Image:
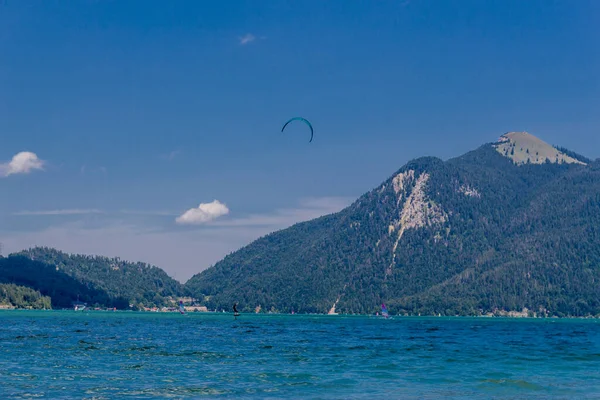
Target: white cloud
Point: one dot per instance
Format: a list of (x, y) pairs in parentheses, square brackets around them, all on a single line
[(22, 163), (247, 38), (204, 213), (60, 212)]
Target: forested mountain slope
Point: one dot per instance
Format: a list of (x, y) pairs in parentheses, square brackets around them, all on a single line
[(119, 281), (497, 228)]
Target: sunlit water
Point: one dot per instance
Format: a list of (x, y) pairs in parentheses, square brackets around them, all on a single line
[(106, 355)]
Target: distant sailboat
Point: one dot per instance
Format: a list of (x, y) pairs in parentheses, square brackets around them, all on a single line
[(78, 305), (181, 307), (384, 311)]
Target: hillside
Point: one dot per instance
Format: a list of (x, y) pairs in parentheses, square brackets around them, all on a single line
[(492, 229), (13, 296), (46, 279), (108, 282)]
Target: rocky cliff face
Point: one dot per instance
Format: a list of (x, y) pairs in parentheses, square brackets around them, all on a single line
[(415, 209)]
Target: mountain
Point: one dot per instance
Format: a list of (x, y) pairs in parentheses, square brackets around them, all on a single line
[(102, 281), (509, 226)]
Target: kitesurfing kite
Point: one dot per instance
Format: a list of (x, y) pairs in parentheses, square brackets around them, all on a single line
[(303, 120)]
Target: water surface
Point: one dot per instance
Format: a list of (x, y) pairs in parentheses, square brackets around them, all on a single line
[(126, 355)]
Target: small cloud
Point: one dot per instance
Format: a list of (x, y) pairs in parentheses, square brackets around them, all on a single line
[(84, 170), (156, 213), (22, 163), (247, 38), (326, 204), (170, 156), (60, 212), (204, 213)]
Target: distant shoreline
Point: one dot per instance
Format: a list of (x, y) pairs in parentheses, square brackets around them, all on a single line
[(502, 317)]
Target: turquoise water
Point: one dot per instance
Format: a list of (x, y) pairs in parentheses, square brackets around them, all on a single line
[(122, 355)]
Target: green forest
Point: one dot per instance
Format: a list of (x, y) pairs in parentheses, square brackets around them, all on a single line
[(97, 281), (529, 239), (23, 297)]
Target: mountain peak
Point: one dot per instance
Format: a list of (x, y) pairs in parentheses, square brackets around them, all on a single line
[(523, 148)]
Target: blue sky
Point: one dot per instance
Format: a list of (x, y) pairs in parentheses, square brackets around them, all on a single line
[(141, 110)]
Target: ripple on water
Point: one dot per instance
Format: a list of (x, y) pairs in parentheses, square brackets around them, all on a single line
[(513, 383)]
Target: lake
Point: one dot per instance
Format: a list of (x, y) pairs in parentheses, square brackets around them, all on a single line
[(122, 355)]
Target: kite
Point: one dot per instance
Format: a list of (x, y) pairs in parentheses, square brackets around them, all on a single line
[(303, 120)]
